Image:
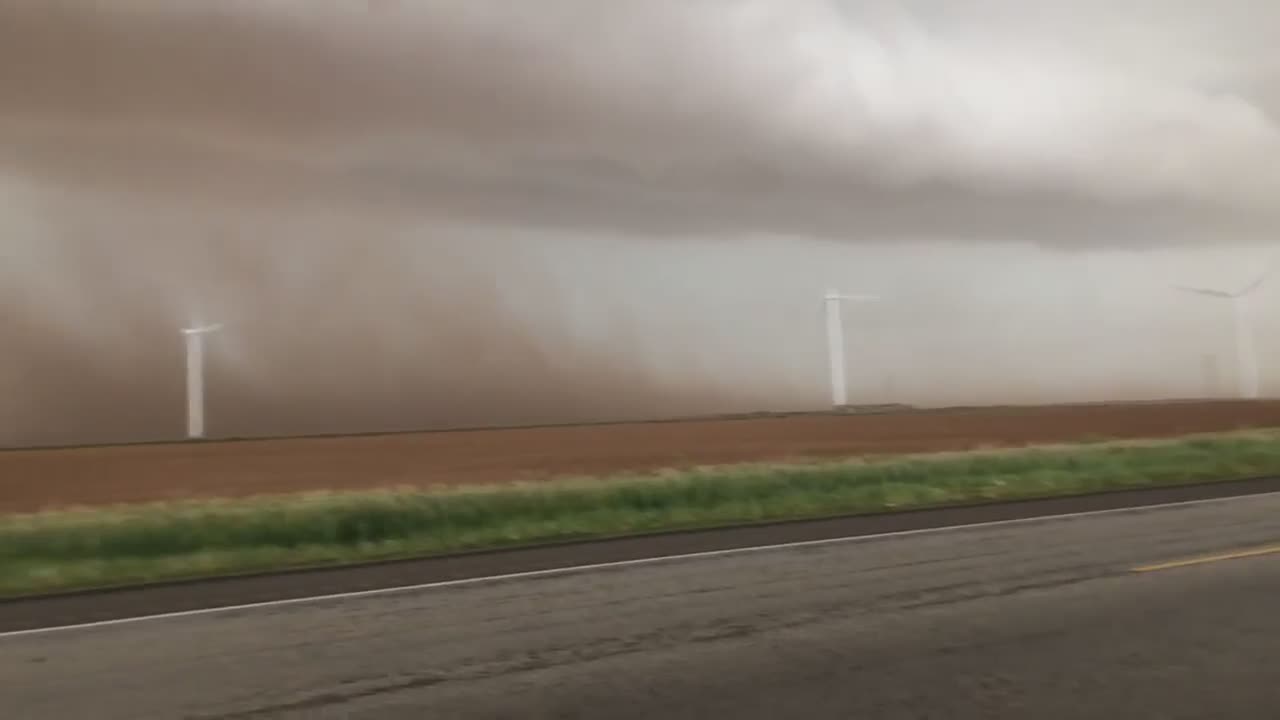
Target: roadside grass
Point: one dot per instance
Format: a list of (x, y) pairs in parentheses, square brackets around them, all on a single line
[(78, 549)]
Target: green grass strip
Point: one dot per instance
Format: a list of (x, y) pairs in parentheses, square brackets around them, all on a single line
[(119, 546)]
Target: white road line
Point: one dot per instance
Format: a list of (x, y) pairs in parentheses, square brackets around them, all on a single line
[(555, 572)]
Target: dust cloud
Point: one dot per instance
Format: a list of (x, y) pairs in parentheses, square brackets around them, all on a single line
[(450, 213), (323, 334)]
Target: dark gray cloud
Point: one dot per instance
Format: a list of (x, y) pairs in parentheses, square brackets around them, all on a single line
[(1147, 123)]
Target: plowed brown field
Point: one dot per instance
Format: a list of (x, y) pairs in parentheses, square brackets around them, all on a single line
[(46, 478)]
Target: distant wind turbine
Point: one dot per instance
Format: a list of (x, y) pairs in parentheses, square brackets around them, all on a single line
[(835, 343), (1246, 345), (195, 378)]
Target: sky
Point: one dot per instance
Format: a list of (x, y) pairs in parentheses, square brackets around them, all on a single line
[(437, 213)]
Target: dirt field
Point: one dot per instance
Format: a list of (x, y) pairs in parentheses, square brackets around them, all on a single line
[(39, 479)]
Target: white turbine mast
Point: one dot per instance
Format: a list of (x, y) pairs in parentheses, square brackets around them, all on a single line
[(195, 377), (835, 301), (1247, 373)]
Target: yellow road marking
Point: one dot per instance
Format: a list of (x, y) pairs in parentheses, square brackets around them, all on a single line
[(1203, 559)]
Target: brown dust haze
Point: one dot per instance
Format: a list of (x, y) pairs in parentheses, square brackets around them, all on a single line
[(322, 336), (397, 208)]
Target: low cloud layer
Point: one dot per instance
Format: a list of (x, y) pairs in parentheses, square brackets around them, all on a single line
[(1143, 122)]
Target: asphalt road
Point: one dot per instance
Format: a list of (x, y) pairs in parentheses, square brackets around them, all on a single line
[(1041, 619)]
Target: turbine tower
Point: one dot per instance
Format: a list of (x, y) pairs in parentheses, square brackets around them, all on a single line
[(835, 343), (195, 378), (1246, 347)]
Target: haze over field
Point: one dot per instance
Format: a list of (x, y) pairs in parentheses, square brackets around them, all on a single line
[(457, 212)]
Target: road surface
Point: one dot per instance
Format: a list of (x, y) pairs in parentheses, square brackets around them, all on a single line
[(1080, 617)]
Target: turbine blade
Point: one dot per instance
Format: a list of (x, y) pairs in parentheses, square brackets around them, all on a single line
[(1204, 291), (853, 298), (1262, 278)]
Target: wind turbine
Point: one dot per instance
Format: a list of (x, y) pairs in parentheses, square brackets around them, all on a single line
[(835, 301), (1246, 346), (195, 377)]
